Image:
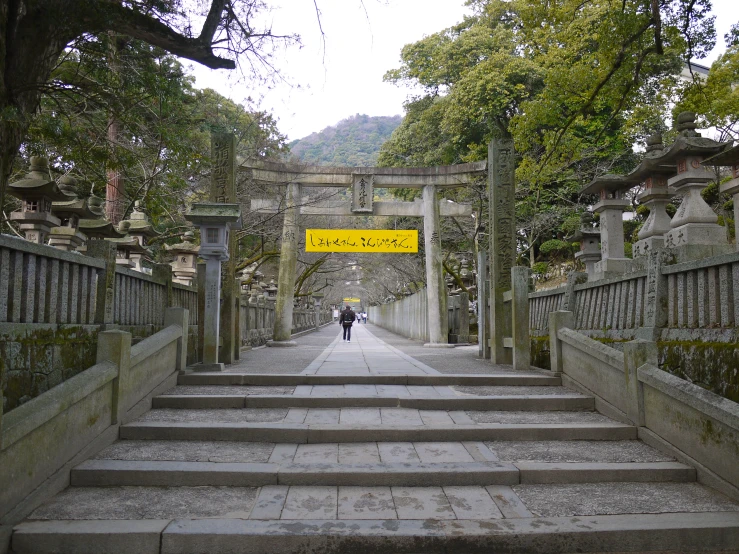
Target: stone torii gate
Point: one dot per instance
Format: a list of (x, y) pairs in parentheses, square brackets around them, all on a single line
[(363, 181)]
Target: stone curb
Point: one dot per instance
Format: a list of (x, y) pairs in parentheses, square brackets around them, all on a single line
[(135, 473), (287, 379), (635, 533), (108, 473), (299, 433), (569, 402)]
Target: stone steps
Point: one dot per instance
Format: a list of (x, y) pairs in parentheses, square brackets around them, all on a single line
[(250, 463), (106, 473)]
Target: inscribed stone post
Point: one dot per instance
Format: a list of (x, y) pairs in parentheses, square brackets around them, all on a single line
[(435, 288), (223, 191), (483, 312), (288, 264), (502, 228)]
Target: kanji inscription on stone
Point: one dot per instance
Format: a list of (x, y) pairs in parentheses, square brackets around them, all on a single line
[(222, 186), (362, 193)]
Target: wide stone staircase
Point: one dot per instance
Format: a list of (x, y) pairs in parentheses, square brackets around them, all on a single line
[(393, 463)]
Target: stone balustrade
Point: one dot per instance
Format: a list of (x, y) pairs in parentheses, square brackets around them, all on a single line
[(54, 303)]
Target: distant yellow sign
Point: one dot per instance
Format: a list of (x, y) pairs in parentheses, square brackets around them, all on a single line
[(361, 240), (352, 300)]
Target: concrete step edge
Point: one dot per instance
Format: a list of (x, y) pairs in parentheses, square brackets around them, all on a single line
[(257, 379), (193, 474), (173, 473), (632, 532), (299, 433), (501, 402)]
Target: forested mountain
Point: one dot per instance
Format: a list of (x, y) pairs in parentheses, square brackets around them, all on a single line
[(354, 141)]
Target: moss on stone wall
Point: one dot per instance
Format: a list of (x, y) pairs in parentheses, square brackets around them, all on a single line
[(711, 365), (540, 352), (36, 359)]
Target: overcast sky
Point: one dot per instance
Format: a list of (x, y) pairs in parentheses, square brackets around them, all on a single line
[(341, 75)]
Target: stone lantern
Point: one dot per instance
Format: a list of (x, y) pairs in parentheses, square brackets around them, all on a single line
[(730, 158), (128, 251), (589, 239), (70, 212), (317, 299), (98, 228), (271, 290), (215, 222), (611, 206), (653, 171), (693, 228), (138, 227), (37, 191), (184, 268)]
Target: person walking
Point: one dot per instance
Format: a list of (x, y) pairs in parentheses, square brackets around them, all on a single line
[(346, 319)]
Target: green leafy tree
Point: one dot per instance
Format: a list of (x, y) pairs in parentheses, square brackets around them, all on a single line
[(575, 84)]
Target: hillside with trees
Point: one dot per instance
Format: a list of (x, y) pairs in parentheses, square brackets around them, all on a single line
[(354, 141)]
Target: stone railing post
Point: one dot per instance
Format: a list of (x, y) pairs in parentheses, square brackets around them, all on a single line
[(237, 320), (181, 317), (464, 317), (575, 278), (558, 320), (163, 273), (655, 303), (637, 353), (115, 346), (483, 310), (520, 278), (200, 281), (105, 293)]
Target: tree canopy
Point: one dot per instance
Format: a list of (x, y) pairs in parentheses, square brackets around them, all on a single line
[(575, 84), (34, 34)]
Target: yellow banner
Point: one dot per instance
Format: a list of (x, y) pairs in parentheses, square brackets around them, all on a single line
[(352, 300), (361, 240)]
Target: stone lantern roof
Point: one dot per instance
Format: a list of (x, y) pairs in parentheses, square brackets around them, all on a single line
[(37, 183), (138, 225), (727, 158), (690, 143), (128, 244), (608, 184), (72, 204), (187, 246), (100, 229)]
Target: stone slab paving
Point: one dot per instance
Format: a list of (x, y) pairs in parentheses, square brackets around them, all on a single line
[(577, 451), (188, 451), (242, 390), (367, 416), (148, 503), (538, 417), (266, 415), (365, 354), (585, 499)]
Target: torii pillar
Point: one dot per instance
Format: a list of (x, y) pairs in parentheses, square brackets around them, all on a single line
[(435, 287), (288, 264)]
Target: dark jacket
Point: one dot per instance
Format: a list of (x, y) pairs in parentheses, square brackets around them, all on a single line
[(347, 317)]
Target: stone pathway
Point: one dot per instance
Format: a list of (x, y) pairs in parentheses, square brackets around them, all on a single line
[(360, 447)]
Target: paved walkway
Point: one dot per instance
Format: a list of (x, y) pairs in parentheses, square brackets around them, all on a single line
[(378, 445), (365, 354)]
